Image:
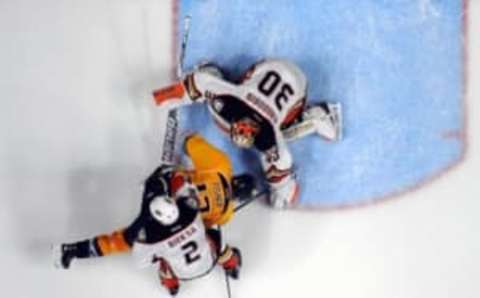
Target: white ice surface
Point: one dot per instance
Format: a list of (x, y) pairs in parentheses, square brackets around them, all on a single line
[(77, 138)]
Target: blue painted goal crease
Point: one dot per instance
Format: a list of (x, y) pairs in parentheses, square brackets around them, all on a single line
[(396, 66)]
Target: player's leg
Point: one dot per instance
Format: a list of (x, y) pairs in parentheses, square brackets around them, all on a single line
[(231, 261), (65, 253), (98, 246), (277, 164), (192, 87), (230, 258), (167, 277)]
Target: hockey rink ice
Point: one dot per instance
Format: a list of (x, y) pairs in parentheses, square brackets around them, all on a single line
[(384, 61), (79, 134)]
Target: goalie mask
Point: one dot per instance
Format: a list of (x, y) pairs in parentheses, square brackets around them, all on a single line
[(243, 132), (164, 210)]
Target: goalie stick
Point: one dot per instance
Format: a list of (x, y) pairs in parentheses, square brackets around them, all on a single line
[(183, 47), (171, 129)]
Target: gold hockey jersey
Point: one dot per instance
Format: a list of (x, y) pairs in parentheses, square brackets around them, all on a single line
[(212, 174)]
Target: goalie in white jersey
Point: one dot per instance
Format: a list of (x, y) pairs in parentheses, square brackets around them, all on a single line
[(264, 110), (168, 233)]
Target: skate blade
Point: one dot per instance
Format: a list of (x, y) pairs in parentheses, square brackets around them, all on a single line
[(57, 256)]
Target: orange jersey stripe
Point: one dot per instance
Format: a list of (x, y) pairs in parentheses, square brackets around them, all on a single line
[(114, 243)]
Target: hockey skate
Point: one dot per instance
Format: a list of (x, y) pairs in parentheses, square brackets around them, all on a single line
[(233, 262), (172, 286), (63, 255)]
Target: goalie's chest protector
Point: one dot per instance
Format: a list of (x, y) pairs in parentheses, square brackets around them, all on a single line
[(275, 88), (187, 250)]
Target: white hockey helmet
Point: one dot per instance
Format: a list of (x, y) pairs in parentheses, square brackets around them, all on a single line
[(243, 132), (164, 210)]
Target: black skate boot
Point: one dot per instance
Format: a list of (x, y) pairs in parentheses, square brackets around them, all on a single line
[(66, 252)]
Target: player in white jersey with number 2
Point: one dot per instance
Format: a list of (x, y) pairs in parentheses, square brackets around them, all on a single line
[(265, 109), (169, 233)]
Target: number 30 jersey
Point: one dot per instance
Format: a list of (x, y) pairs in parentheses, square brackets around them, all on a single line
[(276, 88), (183, 245)]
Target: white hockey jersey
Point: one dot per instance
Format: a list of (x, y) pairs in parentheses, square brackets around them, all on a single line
[(277, 83), (274, 88), (187, 251)]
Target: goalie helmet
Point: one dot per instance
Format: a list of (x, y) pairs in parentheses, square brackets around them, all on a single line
[(164, 210), (243, 132), (243, 186)]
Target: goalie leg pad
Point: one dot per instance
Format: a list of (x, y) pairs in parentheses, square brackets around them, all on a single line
[(325, 119)]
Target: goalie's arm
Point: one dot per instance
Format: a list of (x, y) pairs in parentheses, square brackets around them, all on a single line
[(194, 87)]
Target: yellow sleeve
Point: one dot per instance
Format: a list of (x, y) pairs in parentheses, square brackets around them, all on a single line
[(206, 157)]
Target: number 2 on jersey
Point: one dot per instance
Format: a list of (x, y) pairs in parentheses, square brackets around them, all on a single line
[(270, 84), (190, 248)]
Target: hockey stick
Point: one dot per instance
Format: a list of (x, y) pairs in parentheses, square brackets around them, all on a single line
[(227, 279), (171, 130), (227, 282), (170, 138), (250, 200), (183, 47)]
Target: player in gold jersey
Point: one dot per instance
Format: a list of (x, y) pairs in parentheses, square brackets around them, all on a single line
[(213, 176)]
